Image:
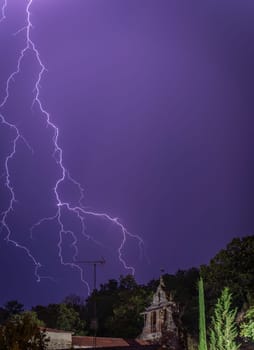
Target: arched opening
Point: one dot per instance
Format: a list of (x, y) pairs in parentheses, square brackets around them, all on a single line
[(153, 322)]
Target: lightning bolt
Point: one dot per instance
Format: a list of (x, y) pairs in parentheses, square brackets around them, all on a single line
[(78, 210), (3, 16), (10, 208)]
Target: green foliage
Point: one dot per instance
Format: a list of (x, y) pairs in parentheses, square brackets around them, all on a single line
[(12, 307), (68, 319), (232, 267), (48, 314), (127, 283), (183, 287), (119, 305), (247, 327), (202, 321), (223, 330), (126, 320), (75, 301), (105, 298), (61, 316), (3, 315), (21, 332)]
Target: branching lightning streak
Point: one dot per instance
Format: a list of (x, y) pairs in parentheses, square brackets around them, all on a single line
[(3, 16), (79, 211), (12, 196)]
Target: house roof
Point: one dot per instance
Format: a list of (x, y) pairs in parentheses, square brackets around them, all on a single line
[(106, 342)]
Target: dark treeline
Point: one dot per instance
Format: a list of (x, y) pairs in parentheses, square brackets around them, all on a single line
[(120, 302)]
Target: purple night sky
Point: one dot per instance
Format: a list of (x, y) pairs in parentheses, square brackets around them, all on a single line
[(154, 104)]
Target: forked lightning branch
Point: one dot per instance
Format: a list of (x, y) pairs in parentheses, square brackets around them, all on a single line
[(61, 206)]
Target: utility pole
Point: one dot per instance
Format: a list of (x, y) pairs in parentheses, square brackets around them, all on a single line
[(94, 323)]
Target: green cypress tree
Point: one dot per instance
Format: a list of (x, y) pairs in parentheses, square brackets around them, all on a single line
[(202, 322), (223, 330)]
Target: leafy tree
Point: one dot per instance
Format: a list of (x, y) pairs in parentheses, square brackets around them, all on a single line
[(128, 282), (22, 332), (61, 316), (76, 302), (105, 299), (48, 314), (119, 304), (13, 307), (126, 320), (68, 319), (223, 330), (3, 315), (232, 267), (111, 286), (183, 288), (202, 321), (247, 327)]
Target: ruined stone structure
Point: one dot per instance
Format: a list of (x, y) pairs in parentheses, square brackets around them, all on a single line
[(58, 339), (158, 317)]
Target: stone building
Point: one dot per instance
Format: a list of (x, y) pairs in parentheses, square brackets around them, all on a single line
[(58, 339), (159, 322), (158, 317)]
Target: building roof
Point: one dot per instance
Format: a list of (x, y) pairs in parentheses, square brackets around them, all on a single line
[(106, 342)]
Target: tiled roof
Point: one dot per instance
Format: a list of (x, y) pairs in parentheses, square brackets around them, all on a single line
[(105, 342)]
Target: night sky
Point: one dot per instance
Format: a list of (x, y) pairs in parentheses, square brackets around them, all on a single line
[(154, 104)]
